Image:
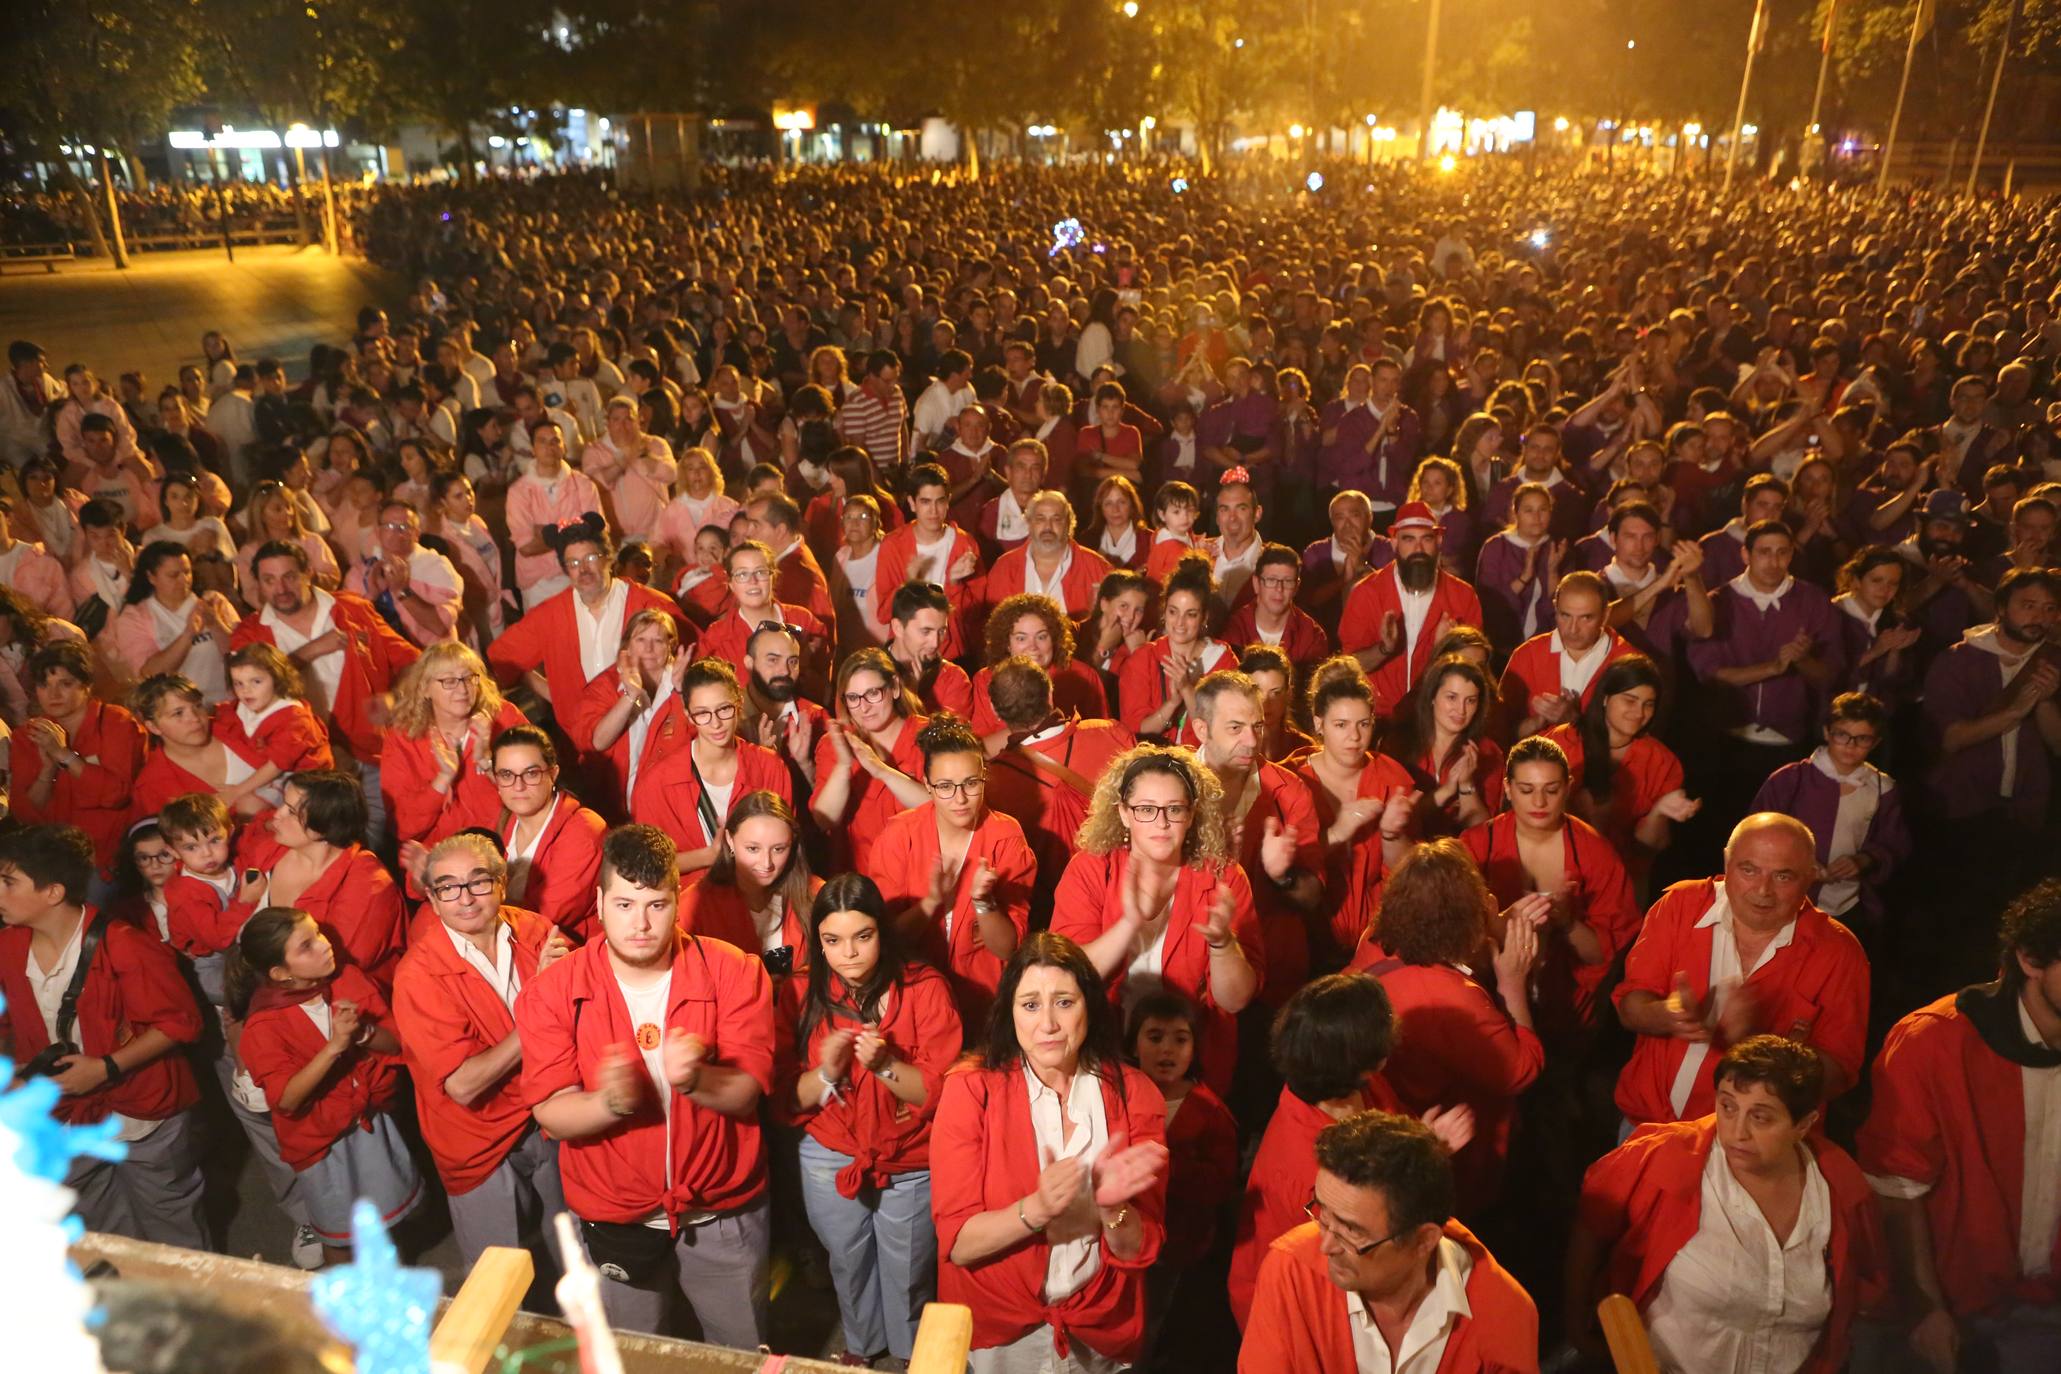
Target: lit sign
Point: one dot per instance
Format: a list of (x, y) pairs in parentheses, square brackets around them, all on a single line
[(299, 136), (794, 118)]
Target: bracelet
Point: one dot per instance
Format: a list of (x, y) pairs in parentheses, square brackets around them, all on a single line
[(1034, 1230), (1122, 1214), (115, 1072), (1466, 790), (983, 907)]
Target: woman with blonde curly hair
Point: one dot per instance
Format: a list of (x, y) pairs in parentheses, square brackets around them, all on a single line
[(1439, 484), (1037, 628), (435, 771), (1156, 899)]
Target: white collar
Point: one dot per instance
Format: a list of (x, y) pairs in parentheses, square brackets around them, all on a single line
[(1763, 601), (1720, 915), (1601, 646), (1866, 773), (324, 603), (1851, 604), (1439, 1311), (1621, 576)]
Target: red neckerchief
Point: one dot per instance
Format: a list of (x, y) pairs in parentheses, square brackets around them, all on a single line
[(272, 996)]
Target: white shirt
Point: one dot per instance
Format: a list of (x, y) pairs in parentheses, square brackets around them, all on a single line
[(1621, 578), (500, 972), (1010, 521), (1431, 1325), (932, 560), (521, 857), (1416, 608), (1577, 673), (1053, 586), (1233, 573), (50, 988), (1860, 796), (1984, 637), (1119, 550), (205, 664), (936, 409), (859, 575), (1735, 1300), (1725, 977), (1074, 1235), (325, 675), (601, 634), (640, 732)]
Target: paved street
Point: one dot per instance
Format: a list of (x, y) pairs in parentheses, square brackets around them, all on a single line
[(274, 300)]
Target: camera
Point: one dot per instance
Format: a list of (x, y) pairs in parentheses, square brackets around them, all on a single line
[(44, 1065), (779, 960)]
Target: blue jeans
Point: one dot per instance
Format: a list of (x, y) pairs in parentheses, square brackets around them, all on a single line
[(883, 1251)]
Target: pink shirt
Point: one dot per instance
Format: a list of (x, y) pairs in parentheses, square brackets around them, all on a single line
[(640, 484), (532, 505), (30, 570), (684, 517), (432, 578)]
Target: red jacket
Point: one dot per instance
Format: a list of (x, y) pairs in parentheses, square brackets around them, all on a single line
[(798, 579), (897, 551), (160, 779), (98, 800), (882, 1134), (1141, 686), (984, 1157), (407, 774), (669, 796), (354, 900), (728, 637), (716, 911), (1076, 691), (869, 805), (1370, 602), (1644, 1200), (903, 860), (445, 1013), (133, 985), (1285, 799), (1283, 1177), (565, 867), (290, 737), (1815, 990), (1202, 1174), (1648, 771), (374, 656), (705, 1161), (278, 1041), (1354, 872), (1534, 670), (1564, 990), (1076, 588), (1302, 638), (1299, 1320), (1949, 1111), (548, 637), (1090, 900), (608, 770)]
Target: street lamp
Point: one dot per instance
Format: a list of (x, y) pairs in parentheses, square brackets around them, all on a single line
[(1130, 9)]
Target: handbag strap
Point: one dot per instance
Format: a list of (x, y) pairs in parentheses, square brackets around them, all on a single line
[(68, 1008), (711, 828)]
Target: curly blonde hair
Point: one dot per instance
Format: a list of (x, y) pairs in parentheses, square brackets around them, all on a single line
[(1104, 831), (412, 712), (1010, 609)]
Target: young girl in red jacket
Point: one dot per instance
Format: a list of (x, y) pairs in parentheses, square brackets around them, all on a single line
[(269, 715), (317, 1038), (864, 1040)]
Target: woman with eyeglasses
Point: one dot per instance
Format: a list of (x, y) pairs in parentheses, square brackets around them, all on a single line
[(868, 768), (1048, 1169), (272, 514), (756, 894), (435, 768), (552, 842), (1156, 899), (956, 874), (863, 1044), (633, 718), (689, 794)]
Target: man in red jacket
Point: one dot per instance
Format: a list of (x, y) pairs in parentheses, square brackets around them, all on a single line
[(454, 1008), (645, 1053), (1393, 618), (120, 1036), (1381, 1276), (1963, 1147)]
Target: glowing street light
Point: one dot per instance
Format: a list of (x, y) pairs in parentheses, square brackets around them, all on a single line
[(1130, 9), (1295, 131), (1630, 44), (1448, 163), (1560, 125)]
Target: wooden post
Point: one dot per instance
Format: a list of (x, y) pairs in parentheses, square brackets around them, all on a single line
[(943, 1337), (478, 1317), (1630, 1350), (114, 212)]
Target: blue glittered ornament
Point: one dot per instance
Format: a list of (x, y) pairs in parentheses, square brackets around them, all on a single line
[(380, 1307)]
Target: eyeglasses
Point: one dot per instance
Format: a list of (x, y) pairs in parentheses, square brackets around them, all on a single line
[(528, 777), (157, 858), (397, 527), (455, 683), (709, 715), (1319, 1213), (868, 696), (478, 887), (945, 789), (750, 575), (592, 560), (1174, 812), (1279, 584), (1848, 738)]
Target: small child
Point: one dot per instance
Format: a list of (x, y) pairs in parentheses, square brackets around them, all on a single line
[(1177, 507), (1201, 1142), (268, 714), (317, 1038), (702, 590)]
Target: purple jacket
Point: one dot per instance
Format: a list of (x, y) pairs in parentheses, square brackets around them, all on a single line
[(1963, 683), (1500, 564), (1724, 557), (1890, 679), (1799, 789), (1571, 503), (1746, 635), (1345, 465), (1861, 508)]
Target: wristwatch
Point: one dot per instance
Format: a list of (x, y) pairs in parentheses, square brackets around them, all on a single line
[(983, 907), (115, 1073)]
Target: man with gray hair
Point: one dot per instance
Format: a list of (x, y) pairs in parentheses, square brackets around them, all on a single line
[(454, 1008), (1049, 562), (1721, 959)]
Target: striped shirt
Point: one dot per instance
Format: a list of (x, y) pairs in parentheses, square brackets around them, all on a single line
[(880, 427)]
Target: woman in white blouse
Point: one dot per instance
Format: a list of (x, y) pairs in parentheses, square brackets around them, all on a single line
[(855, 572), (164, 627), (1747, 1239)]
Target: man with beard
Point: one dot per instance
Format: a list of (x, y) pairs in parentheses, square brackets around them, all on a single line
[(1048, 562), (1944, 599), (348, 655), (776, 714), (1990, 710), (918, 629), (1764, 497), (1883, 508), (1394, 617), (752, 604)]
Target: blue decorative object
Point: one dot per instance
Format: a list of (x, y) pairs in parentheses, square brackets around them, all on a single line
[(1315, 182), (48, 1146), (1067, 233), (381, 1308), (1180, 185)]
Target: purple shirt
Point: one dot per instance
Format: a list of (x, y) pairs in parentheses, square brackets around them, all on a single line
[(1500, 564), (1570, 518), (1746, 635), (1806, 792), (1891, 678), (1724, 556), (1963, 683)]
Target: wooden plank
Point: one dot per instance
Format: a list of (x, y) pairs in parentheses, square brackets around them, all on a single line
[(943, 1337), (1630, 1351), (478, 1316)]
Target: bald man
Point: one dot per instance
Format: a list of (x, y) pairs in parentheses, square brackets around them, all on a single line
[(1720, 959)]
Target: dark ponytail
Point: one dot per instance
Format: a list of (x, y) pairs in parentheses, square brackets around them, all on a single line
[(260, 948)]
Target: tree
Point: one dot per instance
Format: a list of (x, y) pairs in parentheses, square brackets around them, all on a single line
[(473, 64)]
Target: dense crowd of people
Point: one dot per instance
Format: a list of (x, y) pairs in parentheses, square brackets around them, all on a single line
[(1377, 763)]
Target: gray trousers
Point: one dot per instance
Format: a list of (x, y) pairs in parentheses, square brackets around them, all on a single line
[(721, 1267), (883, 1251), (264, 1144), (511, 1205), (155, 1194)]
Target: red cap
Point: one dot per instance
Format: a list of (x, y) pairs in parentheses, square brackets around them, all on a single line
[(1413, 515)]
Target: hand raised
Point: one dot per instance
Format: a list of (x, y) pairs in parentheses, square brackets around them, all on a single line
[(681, 1056)]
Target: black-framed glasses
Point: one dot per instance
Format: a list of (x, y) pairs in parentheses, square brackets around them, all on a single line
[(1319, 1213), (1280, 584), (945, 788), (866, 696), (478, 887), (1847, 737), (528, 777), (709, 715), (1174, 812)]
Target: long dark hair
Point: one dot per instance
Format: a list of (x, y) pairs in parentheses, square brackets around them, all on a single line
[(159, 551), (257, 951), (794, 883), (1599, 770), (1101, 1049), (1415, 734), (850, 892)]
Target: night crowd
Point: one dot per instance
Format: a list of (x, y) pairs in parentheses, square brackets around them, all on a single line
[(1138, 753)]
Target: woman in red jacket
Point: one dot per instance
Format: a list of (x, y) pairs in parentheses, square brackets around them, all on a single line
[(1047, 1175), (757, 894), (552, 842), (318, 1038), (632, 719), (1038, 628), (191, 755), (1158, 902), (1626, 783), (75, 761), (1455, 1040), (1444, 744), (1747, 1239), (1156, 688), (309, 854), (1365, 801), (864, 1043), (435, 770), (868, 768), (689, 794)]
